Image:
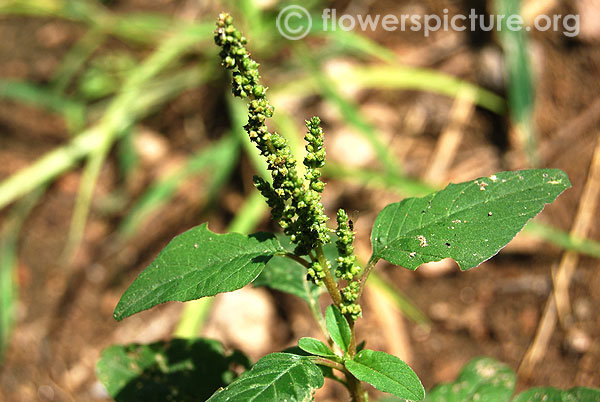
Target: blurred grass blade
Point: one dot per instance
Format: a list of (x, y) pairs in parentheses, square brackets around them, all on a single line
[(9, 237), (66, 157), (289, 130), (193, 316), (127, 155), (400, 300), (421, 79), (75, 59), (33, 95), (563, 239), (141, 92), (87, 184), (141, 27), (81, 10), (133, 27), (350, 112), (397, 78), (253, 16), (115, 123), (371, 178), (520, 89), (219, 159), (349, 41), (239, 116)]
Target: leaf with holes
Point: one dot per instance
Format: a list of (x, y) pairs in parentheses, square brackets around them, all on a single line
[(482, 379), (387, 373), (275, 377), (468, 222), (196, 264)]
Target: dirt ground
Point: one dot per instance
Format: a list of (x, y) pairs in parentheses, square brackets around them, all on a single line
[(65, 310)]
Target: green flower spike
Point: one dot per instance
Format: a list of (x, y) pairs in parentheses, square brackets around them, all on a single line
[(296, 205), (347, 267)]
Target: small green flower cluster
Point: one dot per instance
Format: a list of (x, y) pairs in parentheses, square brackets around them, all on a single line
[(349, 296), (298, 209), (316, 273), (347, 267)]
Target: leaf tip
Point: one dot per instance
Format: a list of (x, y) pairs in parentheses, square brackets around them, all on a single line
[(117, 315)]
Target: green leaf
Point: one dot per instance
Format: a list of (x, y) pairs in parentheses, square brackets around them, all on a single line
[(275, 377), (387, 373), (287, 276), (483, 379), (579, 394), (196, 264), (338, 327), (181, 369), (468, 222), (316, 347)]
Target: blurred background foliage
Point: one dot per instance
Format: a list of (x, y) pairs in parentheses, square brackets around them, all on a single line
[(118, 131)]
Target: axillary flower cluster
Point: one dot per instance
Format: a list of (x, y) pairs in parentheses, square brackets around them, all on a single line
[(295, 201)]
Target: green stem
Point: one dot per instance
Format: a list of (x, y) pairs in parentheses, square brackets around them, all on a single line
[(365, 275), (329, 281), (328, 363), (299, 260), (356, 389), (352, 346), (354, 385)]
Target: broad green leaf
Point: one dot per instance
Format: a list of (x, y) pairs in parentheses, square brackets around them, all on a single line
[(196, 264), (316, 347), (275, 377), (468, 222), (387, 373), (179, 370), (483, 379), (578, 394), (338, 327), (287, 276)]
